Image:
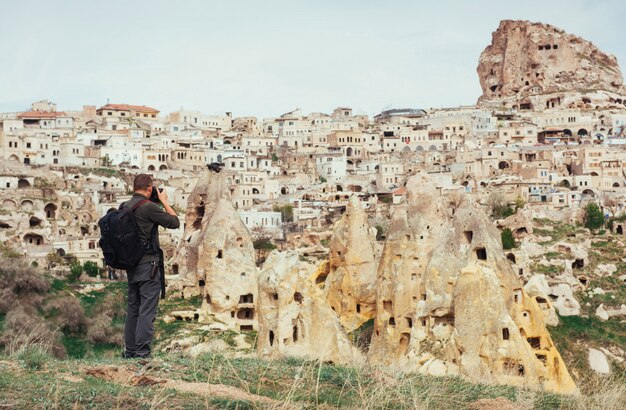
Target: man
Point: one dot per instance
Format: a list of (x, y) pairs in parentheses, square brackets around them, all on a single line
[(144, 281)]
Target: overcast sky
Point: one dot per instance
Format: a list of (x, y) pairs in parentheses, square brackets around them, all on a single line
[(268, 57)]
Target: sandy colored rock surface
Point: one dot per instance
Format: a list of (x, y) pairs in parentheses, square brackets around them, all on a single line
[(598, 362), (294, 317), (447, 291), (533, 59), (350, 286)]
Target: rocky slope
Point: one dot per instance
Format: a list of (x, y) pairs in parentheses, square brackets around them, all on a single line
[(530, 59)]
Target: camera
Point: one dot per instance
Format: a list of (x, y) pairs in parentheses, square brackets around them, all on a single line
[(153, 196)]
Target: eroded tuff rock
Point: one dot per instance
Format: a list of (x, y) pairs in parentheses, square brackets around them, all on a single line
[(201, 205), (217, 258), (350, 286), (294, 317), (449, 302), (534, 59)]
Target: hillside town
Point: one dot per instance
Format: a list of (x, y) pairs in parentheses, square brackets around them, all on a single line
[(350, 200), (62, 169)]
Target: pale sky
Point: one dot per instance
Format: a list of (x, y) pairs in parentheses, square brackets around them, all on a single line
[(266, 57)]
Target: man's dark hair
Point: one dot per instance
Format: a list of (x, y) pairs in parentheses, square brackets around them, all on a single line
[(142, 181)]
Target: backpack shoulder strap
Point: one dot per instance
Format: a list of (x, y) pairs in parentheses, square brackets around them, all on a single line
[(138, 204)]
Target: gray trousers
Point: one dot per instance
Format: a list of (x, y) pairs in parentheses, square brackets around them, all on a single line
[(144, 290)]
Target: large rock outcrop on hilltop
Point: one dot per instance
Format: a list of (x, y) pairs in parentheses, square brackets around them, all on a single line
[(528, 59), (294, 317), (351, 282), (449, 302), (216, 257)]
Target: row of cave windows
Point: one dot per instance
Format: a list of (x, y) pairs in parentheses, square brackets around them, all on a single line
[(548, 47), (297, 334), (249, 298)]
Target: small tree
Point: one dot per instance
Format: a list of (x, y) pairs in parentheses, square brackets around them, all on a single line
[(75, 271), (91, 269), (594, 219), (508, 241), (286, 212)]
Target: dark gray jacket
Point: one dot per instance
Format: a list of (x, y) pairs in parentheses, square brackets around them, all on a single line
[(149, 217)]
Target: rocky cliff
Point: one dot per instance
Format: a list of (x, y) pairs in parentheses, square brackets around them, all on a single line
[(526, 59), (449, 303), (353, 261), (216, 257), (294, 317)]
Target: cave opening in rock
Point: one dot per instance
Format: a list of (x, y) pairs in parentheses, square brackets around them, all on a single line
[(534, 342), (481, 254), (247, 314), (514, 367), (34, 221), (542, 358), (505, 333)]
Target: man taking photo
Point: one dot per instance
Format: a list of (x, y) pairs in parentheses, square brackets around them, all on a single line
[(146, 280)]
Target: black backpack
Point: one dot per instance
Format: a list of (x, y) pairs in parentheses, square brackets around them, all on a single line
[(119, 238)]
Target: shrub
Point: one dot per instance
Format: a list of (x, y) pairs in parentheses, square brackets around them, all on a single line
[(23, 329), (75, 271), (264, 244), (286, 212), (101, 331), (91, 269), (502, 211), (68, 314), (323, 180), (20, 278), (508, 241), (33, 357), (7, 251), (594, 219)]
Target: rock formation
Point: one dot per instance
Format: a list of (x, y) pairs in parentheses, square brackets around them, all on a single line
[(216, 256), (351, 282), (537, 287), (294, 317), (538, 66), (201, 205), (449, 302)]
